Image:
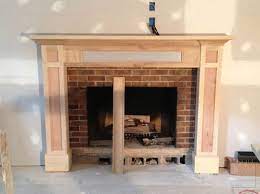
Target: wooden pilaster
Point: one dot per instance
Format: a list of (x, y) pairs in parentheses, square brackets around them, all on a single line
[(206, 159), (58, 156)]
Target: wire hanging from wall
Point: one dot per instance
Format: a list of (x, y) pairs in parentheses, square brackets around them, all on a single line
[(152, 24)]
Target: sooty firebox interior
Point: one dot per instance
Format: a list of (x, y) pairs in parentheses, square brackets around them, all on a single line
[(149, 112)]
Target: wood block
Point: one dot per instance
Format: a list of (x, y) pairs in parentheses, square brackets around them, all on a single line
[(211, 56), (206, 164), (58, 163), (52, 54)]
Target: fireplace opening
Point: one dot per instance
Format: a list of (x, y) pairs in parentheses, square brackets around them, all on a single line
[(150, 115), (100, 113)]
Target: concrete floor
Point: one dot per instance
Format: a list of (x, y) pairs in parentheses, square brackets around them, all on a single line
[(94, 179)]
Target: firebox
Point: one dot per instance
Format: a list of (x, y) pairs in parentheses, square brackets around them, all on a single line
[(150, 112)]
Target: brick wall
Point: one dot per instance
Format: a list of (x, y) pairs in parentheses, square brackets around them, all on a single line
[(81, 77)]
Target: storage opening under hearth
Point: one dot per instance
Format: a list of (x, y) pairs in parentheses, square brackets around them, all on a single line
[(150, 114)]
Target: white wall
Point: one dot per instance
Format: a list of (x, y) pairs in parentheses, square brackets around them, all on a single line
[(20, 76)]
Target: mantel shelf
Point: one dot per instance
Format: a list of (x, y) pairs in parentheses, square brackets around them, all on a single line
[(63, 38)]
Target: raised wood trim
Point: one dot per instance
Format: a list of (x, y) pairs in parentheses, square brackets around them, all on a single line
[(190, 54), (212, 56), (129, 45), (52, 54), (208, 109), (55, 108)]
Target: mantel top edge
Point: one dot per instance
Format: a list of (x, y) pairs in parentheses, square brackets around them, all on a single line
[(177, 37)]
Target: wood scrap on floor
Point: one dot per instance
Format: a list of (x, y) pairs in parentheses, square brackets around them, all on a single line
[(6, 164)]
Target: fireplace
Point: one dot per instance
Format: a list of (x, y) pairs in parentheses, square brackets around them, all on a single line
[(188, 64)]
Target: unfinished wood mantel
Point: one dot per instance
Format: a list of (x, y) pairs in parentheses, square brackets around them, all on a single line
[(201, 51)]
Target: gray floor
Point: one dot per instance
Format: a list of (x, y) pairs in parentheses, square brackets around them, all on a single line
[(94, 179)]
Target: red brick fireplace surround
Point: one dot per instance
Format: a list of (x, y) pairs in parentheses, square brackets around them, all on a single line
[(185, 80), (75, 65)]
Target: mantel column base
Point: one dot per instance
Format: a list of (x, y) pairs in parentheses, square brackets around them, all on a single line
[(58, 162), (206, 164)]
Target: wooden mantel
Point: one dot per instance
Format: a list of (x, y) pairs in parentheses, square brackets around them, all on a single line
[(201, 51), (103, 41), (49, 37)]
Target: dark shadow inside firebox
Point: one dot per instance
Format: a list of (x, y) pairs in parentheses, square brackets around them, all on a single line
[(152, 109)]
